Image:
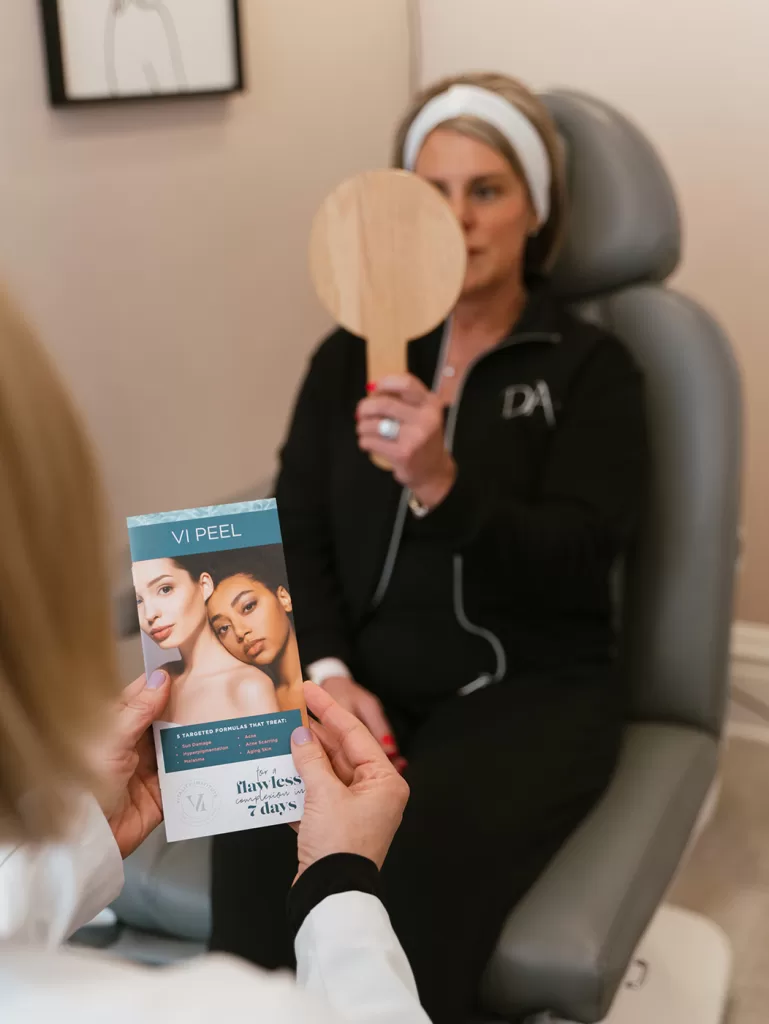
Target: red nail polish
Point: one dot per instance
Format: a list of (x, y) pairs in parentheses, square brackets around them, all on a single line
[(371, 386)]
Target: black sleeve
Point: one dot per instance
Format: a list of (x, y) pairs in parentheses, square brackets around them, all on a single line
[(302, 494), (339, 872), (591, 493)]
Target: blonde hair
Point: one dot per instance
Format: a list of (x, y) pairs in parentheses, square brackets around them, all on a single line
[(544, 247), (57, 655)]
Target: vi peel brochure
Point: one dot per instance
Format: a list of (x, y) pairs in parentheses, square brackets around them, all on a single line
[(215, 612)]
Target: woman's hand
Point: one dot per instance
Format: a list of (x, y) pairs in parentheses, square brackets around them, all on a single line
[(354, 797), (367, 709), (125, 762), (418, 456)]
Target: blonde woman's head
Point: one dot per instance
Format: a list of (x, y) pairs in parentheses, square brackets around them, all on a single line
[(476, 167), (57, 665)]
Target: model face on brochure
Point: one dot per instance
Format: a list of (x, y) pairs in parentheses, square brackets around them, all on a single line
[(250, 620), (172, 605)]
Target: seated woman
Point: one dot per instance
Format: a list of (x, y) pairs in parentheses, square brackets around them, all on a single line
[(209, 685), (250, 612), (461, 605)]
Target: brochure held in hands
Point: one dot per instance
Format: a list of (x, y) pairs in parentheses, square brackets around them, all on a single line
[(215, 612)]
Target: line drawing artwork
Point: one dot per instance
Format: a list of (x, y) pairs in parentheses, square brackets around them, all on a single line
[(142, 50)]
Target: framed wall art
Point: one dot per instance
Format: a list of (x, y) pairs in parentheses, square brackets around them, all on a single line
[(118, 50)]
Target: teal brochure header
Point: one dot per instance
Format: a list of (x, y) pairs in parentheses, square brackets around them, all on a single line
[(247, 524), (186, 747)]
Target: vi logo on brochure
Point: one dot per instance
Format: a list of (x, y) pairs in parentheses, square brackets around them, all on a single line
[(198, 802)]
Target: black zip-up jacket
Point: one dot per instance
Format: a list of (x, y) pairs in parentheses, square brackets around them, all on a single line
[(549, 435)]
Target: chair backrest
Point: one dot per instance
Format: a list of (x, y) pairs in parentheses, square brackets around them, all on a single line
[(623, 242)]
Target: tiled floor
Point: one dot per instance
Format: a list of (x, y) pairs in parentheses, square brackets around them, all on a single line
[(727, 877)]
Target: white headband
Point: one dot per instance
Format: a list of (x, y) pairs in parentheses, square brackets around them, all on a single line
[(490, 107)]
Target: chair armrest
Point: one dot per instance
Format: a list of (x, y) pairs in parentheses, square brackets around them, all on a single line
[(567, 945)]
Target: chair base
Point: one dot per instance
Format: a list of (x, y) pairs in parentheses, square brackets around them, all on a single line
[(680, 973)]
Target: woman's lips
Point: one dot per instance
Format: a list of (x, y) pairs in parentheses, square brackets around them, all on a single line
[(255, 649), (159, 635)]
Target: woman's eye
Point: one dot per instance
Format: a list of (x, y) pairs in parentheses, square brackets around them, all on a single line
[(486, 192), (248, 608), (221, 630), (165, 590)]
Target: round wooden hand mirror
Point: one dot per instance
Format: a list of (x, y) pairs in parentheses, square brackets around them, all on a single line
[(388, 261)]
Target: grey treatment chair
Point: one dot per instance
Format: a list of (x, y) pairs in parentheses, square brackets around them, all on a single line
[(567, 946), (565, 950)]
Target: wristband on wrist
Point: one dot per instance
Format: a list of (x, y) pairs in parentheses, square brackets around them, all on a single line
[(326, 668), (417, 508)]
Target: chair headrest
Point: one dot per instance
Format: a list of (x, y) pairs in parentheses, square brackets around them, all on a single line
[(624, 226)]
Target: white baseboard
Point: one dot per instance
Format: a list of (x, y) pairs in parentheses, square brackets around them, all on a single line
[(750, 642), (750, 656)]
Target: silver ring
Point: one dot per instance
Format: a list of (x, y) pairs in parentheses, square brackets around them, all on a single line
[(389, 429)]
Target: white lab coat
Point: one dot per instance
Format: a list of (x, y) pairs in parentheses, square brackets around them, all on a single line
[(350, 966)]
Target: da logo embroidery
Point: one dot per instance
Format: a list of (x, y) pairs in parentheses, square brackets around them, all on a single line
[(524, 400), (198, 802)]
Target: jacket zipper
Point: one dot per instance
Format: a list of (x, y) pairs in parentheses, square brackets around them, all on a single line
[(400, 517), (550, 338)]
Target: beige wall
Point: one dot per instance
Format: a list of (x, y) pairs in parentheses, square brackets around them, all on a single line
[(161, 249), (694, 75)]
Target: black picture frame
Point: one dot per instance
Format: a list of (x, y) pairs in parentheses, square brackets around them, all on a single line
[(57, 81)]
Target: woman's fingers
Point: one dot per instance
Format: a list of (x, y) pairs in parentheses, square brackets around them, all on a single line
[(345, 730), (394, 452), (142, 703), (318, 700), (310, 758), (336, 740), (339, 760), (403, 403), (386, 407), (360, 818), (407, 387), (372, 714)]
